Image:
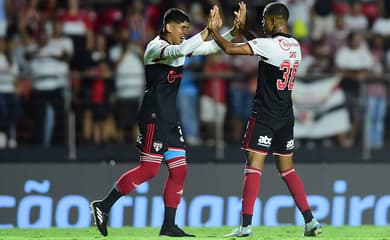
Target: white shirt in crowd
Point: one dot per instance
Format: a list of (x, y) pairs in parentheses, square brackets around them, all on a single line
[(354, 59), (381, 26), (8, 74), (129, 74), (47, 72)]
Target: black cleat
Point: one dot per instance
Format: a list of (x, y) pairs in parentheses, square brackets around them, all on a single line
[(173, 231), (99, 216)]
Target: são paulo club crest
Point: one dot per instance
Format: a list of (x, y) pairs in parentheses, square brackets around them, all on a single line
[(157, 145)]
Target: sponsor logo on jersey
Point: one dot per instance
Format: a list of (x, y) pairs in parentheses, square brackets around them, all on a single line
[(285, 45), (264, 141), (172, 76), (157, 145), (290, 144)]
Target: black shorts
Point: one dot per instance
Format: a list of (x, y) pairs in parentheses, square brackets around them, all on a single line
[(156, 137), (262, 138)]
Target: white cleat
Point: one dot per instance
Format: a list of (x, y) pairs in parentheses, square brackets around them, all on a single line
[(313, 228), (241, 232)]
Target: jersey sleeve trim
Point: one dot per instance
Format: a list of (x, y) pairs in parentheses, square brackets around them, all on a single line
[(250, 47)]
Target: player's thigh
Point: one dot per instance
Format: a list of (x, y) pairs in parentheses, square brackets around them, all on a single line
[(175, 139), (283, 147), (257, 137)]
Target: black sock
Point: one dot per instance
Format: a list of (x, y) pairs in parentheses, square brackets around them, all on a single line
[(246, 220), (169, 216), (110, 199), (307, 215)]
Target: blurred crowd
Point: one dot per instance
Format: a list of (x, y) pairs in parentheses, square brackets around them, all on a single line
[(77, 66)]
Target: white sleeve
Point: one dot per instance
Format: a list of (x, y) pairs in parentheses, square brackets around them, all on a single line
[(211, 46), (185, 48), (260, 47)]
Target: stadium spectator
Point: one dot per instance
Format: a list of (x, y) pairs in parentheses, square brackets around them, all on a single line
[(78, 25), (213, 100), (354, 20), (10, 109), (99, 75), (137, 23), (336, 39), (376, 102), (354, 62), (49, 70), (299, 20), (271, 124), (323, 19), (188, 100), (161, 137), (128, 83)]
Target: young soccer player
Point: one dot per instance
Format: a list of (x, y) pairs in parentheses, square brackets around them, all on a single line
[(270, 127), (160, 138)]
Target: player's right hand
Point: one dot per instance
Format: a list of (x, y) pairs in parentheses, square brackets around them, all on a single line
[(240, 16), (215, 20)]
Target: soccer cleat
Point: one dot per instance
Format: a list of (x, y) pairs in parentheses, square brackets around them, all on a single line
[(313, 228), (241, 232), (100, 217), (173, 231)]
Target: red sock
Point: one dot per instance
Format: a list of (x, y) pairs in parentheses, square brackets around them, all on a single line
[(296, 188), (174, 184), (147, 169), (251, 189)]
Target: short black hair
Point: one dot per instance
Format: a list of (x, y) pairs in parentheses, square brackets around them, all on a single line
[(174, 15), (277, 9)]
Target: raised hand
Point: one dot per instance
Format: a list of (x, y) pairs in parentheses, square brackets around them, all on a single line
[(215, 20), (240, 16)]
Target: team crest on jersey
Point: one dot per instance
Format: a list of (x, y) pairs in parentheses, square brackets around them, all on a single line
[(264, 141), (157, 145), (172, 76)]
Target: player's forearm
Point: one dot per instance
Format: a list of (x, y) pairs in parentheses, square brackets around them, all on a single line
[(187, 47), (224, 44), (210, 47)]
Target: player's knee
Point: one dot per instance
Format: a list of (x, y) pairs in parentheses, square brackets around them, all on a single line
[(178, 174), (149, 171)]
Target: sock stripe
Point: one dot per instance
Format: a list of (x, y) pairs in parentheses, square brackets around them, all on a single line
[(253, 170), (177, 163), (286, 172), (151, 158)]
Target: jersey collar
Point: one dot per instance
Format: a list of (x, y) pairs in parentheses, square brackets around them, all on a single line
[(281, 34)]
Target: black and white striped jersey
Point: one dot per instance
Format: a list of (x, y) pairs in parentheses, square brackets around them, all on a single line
[(279, 56), (163, 72)]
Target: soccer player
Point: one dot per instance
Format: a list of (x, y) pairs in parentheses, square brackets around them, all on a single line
[(160, 138), (270, 127)]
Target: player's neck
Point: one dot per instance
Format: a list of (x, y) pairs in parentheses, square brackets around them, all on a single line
[(280, 29), (166, 37)]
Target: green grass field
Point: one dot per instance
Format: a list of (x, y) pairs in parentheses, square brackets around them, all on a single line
[(129, 233)]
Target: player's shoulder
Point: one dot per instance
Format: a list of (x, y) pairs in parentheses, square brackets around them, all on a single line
[(157, 42)]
